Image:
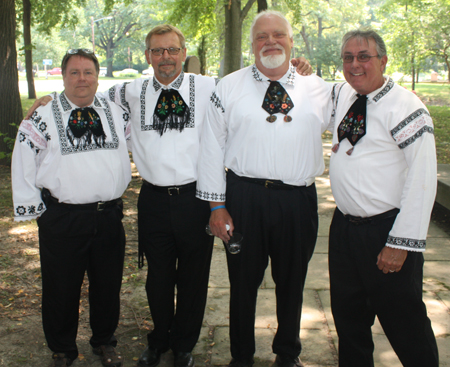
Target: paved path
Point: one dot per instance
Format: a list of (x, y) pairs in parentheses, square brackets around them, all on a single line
[(318, 332)]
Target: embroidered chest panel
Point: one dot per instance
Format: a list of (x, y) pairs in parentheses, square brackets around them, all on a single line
[(148, 125), (90, 140)]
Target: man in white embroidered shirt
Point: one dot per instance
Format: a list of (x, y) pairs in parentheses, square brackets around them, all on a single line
[(70, 167), (383, 177), (264, 124)]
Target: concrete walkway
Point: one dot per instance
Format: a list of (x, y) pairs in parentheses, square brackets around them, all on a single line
[(318, 332)]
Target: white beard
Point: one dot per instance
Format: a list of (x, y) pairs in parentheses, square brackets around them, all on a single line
[(272, 61)]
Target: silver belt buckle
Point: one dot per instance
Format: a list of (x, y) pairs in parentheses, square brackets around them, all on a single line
[(169, 190)]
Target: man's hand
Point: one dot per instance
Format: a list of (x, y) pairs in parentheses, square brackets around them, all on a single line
[(218, 221), (390, 260), (37, 103), (303, 66)]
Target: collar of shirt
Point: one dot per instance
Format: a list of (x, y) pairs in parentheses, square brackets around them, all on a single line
[(377, 95), (68, 105), (288, 78), (176, 84)]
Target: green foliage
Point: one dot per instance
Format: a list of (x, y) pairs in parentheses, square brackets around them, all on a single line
[(441, 120), (319, 26), (9, 143), (413, 31)]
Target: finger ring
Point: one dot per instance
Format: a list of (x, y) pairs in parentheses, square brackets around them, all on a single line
[(391, 271)]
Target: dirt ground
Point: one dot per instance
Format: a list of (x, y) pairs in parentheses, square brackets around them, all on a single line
[(22, 342)]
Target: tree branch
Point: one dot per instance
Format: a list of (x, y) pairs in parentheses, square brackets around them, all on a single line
[(246, 9)]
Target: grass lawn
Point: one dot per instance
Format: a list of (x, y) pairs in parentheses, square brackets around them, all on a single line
[(432, 94), (441, 120)]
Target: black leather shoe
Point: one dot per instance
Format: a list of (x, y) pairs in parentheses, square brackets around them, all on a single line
[(241, 363), (183, 360), (285, 361), (150, 357), (60, 360)]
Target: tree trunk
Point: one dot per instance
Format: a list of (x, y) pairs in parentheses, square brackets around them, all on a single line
[(413, 74), (447, 62), (109, 60), (306, 40), (234, 18), (28, 48), (233, 37), (201, 51), (10, 105), (262, 5)]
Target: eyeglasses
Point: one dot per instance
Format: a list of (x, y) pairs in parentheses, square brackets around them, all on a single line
[(360, 57), (160, 51), (74, 51)]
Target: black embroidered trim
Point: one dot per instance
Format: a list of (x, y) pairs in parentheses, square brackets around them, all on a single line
[(97, 102), (178, 82), (177, 85), (291, 76), (417, 135), (406, 242), (384, 91), (112, 94), (406, 121), (191, 101), (156, 84), (31, 210), (64, 102), (210, 196), (256, 74), (216, 101), (142, 99), (123, 100), (67, 148), (40, 125)]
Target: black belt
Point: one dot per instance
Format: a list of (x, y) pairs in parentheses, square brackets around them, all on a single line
[(173, 190), (98, 206), (376, 218), (267, 183)]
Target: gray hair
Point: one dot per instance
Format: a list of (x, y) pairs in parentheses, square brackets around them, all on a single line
[(270, 12), (366, 34)]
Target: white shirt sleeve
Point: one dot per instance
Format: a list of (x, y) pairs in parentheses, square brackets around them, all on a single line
[(211, 185), (411, 225), (29, 150)]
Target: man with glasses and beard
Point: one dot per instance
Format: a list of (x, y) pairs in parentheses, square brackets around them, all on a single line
[(264, 124), (70, 166)]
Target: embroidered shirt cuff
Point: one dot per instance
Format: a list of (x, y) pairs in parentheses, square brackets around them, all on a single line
[(407, 244), (208, 196)]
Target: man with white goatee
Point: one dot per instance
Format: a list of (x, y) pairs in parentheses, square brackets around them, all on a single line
[(264, 125)]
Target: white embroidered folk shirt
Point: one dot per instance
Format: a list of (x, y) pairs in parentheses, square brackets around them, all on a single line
[(169, 159), (392, 166), (237, 135), (75, 170)]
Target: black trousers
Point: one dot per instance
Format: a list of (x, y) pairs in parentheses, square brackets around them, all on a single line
[(359, 291), (178, 252), (281, 224), (73, 241)]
